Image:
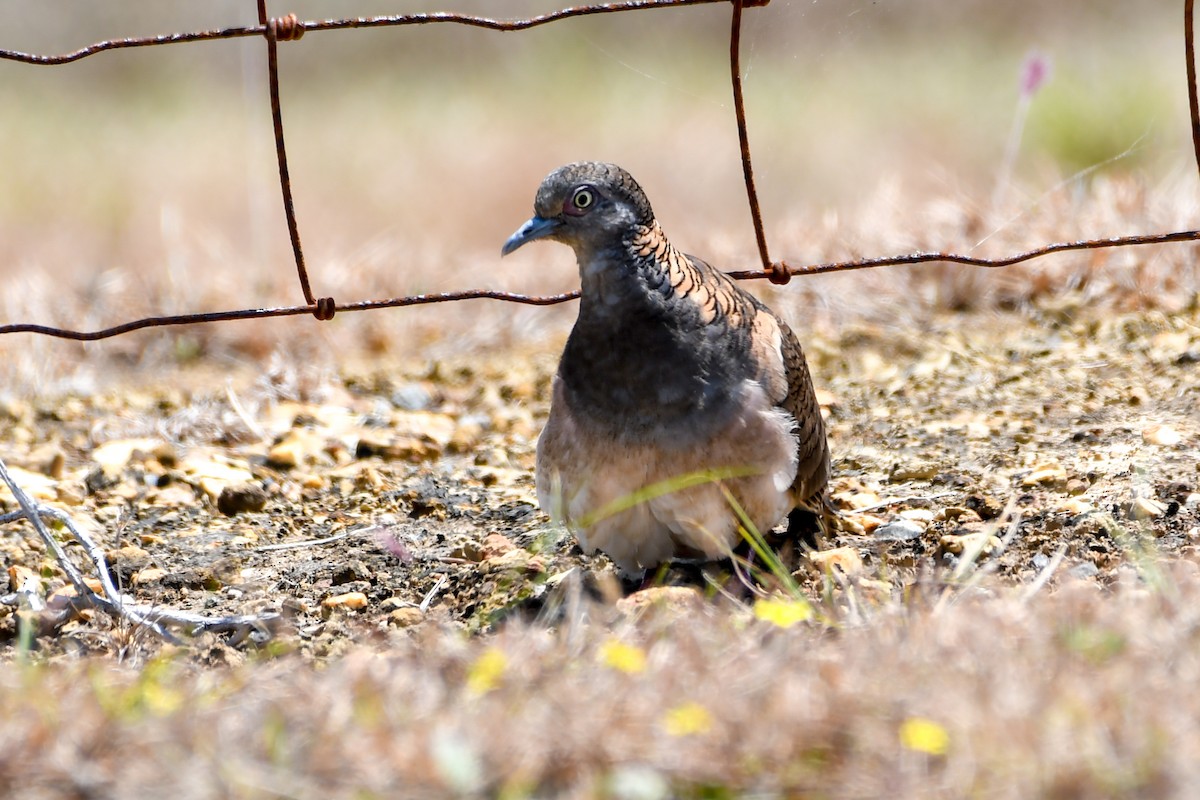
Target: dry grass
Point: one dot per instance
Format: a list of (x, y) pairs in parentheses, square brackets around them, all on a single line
[(1081, 693)]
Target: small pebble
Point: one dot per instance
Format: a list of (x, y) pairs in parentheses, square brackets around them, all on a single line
[(982, 543), (959, 514), (239, 498), (350, 571), (494, 545), (860, 523), (914, 471), (1075, 505), (18, 576), (347, 600), (127, 560), (411, 397), (1084, 569), (667, 598), (405, 617), (899, 530), (1045, 474), (288, 453), (1163, 435), (846, 559), (1075, 486), (1144, 508), (985, 506), (149, 575)]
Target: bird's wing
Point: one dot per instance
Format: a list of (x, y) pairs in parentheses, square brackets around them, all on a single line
[(812, 446), (783, 372)]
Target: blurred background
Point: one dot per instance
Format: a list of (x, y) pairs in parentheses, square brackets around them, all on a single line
[(143, 181)]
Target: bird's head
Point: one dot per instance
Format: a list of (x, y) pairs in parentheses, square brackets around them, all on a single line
[(589, 206)]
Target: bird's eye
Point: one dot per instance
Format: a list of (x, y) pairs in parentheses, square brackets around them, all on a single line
[(580, 202), (583, 199)]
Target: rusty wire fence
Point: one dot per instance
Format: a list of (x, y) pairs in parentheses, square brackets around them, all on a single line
[(289, 28)]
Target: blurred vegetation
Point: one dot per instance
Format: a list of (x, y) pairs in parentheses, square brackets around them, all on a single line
[(843, 95), (881, 81), (414, 151), (1084, 121)]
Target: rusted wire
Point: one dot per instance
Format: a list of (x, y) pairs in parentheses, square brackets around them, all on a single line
[(285, 311), (1189, 46), (360, 22), (554, 299), (292, 29), (976, 261), (284, 29), (779, 273), (326, 308)]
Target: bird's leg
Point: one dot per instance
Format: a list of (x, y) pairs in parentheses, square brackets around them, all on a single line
[(805, 527)]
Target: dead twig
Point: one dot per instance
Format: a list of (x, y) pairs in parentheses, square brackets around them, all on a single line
[(34, 513), (112, 602), (892, 501), (310, 542), (427, 600), (242, 414)]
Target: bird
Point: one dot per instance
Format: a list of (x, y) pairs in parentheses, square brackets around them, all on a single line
[(677, 391)]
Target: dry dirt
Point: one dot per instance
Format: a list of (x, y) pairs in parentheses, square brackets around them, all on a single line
[(1000, 440)]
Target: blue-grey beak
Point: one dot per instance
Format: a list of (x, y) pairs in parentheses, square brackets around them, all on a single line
[(535, 228)]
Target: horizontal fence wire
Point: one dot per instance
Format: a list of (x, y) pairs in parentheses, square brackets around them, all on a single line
[(241, 32), (289, 28)]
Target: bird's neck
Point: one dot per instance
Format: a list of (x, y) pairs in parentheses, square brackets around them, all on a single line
[(618, 278)]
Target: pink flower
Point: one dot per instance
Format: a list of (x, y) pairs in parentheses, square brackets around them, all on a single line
[(1034, 73)]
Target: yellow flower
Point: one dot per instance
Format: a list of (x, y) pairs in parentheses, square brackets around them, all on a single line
[(782, 612), (924, 736), (623, 657), (486, 671), (687, 720)]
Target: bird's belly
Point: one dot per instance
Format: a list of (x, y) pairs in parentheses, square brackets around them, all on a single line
[(644, 501)]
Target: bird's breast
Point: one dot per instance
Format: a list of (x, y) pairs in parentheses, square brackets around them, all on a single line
[(643, 375)]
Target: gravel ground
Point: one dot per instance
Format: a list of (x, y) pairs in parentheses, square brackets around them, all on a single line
[(1050, 443)]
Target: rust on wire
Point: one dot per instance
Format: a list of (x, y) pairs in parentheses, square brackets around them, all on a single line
[(291, 29), (283, 29), (349, 23), (287, 311), (779, 273), (554, 299), (976, 261), (1189, 47)]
